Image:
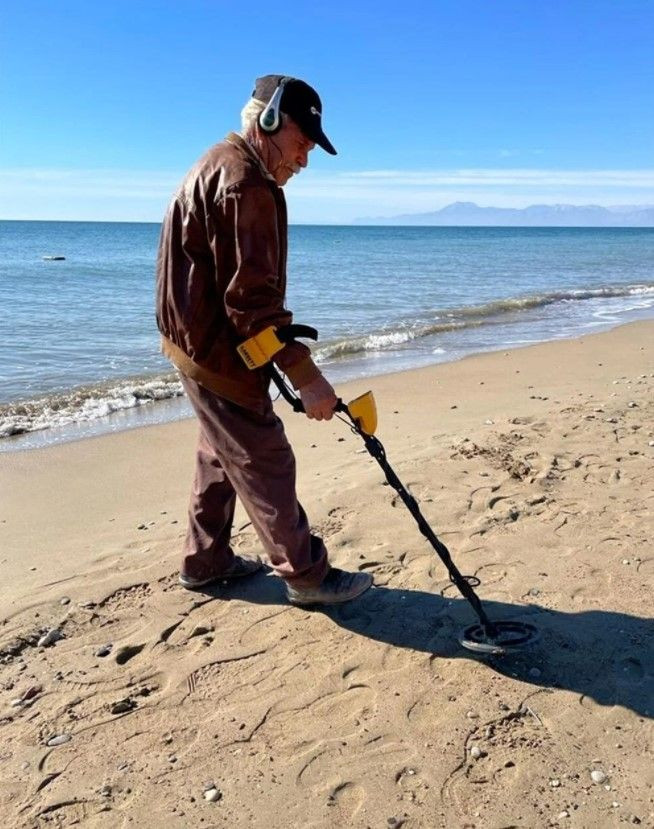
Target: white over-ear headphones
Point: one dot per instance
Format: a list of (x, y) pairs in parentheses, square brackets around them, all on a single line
[(270, 119)]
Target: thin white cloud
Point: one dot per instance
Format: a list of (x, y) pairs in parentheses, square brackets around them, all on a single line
[(318, 196), (510, 177)]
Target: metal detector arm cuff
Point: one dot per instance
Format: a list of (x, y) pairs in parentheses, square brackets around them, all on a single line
[(279, 345)]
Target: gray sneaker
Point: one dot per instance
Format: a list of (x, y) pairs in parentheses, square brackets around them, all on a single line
[(241, 566), (337, 586)]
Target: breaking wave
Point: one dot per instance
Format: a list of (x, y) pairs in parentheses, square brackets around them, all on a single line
[(471, 316), (88, 403), (85, 403)]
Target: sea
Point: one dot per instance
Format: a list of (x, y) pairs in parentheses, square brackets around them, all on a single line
[(80, 348)]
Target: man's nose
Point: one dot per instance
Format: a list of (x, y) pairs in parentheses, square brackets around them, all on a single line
[(303, 159)]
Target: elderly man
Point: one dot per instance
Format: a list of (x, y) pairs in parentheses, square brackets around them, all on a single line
[(221, 279)]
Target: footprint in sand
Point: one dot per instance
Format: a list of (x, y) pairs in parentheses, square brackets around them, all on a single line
[(344, 705), (337, 518), (411, 782), (479, 497), (66, 813), (124, 597), (346, 799)]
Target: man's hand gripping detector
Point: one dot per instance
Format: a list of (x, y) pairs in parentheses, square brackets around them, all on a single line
[(259, 350)]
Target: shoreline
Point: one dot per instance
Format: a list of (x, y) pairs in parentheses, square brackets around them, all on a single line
[(166, 407), (534, 466)]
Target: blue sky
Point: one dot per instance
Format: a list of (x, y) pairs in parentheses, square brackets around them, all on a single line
[(105, 105)]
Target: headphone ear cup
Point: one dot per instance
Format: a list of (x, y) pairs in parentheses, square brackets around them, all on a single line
[(269, 120)]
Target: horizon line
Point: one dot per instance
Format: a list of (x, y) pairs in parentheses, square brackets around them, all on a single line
[(387, 223)]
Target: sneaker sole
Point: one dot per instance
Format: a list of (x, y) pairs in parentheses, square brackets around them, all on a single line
[(195, 585), (334, 600)]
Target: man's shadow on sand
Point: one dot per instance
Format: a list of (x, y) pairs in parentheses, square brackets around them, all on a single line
[(600, 654)]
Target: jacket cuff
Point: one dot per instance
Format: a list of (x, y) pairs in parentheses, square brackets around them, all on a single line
[(302, 373)]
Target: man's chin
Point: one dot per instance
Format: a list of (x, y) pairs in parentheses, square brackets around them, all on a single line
[(282, 177)]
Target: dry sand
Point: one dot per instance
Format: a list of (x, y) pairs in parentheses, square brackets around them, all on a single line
[(534, 466)]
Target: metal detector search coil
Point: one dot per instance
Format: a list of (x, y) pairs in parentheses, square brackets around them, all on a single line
[(506, 637)]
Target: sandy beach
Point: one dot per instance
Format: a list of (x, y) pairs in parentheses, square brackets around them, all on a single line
[(158, 707)]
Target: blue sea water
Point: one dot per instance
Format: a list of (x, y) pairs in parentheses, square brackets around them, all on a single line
[(80, 347)]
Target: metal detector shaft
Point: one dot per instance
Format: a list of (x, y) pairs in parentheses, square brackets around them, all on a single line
[(376, 449)]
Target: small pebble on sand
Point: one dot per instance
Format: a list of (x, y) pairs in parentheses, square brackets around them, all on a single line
[(212, 795), (64, 600), (59, 740), (475, 752), (597, 776), (122, 706), (50, 638)]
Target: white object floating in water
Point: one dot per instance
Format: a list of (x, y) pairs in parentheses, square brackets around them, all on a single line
[(53, 258)]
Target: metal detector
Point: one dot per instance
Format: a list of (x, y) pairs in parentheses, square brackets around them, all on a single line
[(486, 637)]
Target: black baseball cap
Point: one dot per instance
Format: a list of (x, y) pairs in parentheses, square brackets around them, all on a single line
[(300, 101)]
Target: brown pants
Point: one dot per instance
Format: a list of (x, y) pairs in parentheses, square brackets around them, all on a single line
[(246, 453)]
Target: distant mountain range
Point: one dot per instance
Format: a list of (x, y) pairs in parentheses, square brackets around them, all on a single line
[(538, 215)]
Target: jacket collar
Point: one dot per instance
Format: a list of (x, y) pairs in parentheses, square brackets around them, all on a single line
[(240, 142)]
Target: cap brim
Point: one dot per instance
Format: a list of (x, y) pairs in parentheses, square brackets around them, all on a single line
[(319, 138), (312, 128), (326, 144)]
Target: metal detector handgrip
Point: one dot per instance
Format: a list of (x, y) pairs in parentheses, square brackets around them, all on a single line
[(292, 399)]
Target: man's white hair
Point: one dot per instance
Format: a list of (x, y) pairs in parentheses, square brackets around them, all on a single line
[(250, 115)]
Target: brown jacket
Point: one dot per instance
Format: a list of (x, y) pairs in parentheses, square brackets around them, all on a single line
[(221, 274)]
